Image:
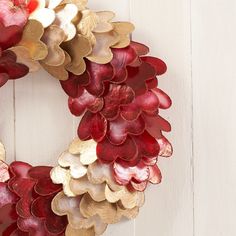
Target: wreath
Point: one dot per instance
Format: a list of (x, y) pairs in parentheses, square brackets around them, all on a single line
[(112, 84)]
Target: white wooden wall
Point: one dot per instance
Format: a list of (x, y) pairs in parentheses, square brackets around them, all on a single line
[(197, 39)]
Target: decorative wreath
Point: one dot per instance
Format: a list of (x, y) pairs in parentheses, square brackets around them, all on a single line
[(112, 84)]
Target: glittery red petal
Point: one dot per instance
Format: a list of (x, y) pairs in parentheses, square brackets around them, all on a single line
[(118, 96), (108, 152), (158, 64), (84, 102), (137, 77), (10, 35), (164, 99), (92, 126), (147, 102), (41, 207), (98, 74), (120, 128), (122, 57), (155, 125)]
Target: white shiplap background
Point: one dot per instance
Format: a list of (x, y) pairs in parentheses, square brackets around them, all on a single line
[(197, 39)]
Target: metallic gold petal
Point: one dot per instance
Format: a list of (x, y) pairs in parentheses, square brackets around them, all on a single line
[(101, 52), (68, 160), (62, 176), (105, 210), (53, 37), (23, 56), (104, 22), (101, 173), (82, 186), (128, 199), (86, 150), (123, 29), (31, 39), (88, 22), (78, 48), (79, 232), (58, 72)]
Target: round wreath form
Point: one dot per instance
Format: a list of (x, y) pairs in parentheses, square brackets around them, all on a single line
[(113, 85)]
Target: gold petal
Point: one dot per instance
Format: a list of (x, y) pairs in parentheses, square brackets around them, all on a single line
[(101, 173), (64, 17), (23, 56), (2, 152), (5, 175), (88, 22), (78, 48), (79, 232), (70, 206), (101, 52), (123, 29), (81, 4), (32, 34), (105, 210), (82, 186), (62, 176), (58, 72), (86, 150), (68, 160), (127, 213), (104, 23), (53, 37), (128, 199)]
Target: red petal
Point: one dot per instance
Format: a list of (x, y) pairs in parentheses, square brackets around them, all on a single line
[(3, 78), (20, 169), (155, 125), (73, 86), (92, 126), (147, 102), (152, 83), (155, 175), (120, 128), (147, 145), (137, 77), (165, 101), (118, 95), (84, 102), (34, 226), (139, 186), (124, 175), (41, 208), (158, 64), (166, 149), (6, 196), (122, 57), (139, 48), (10, 35), (108, 153), (11, 14), (9, 66), (98, 75)]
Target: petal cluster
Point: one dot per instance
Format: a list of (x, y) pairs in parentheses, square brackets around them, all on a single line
[(91, 199), (25, 203), (120, 105)]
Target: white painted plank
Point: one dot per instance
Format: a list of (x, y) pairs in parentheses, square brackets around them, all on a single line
[(214, 77), (7, 119), (164, 25), (44, 125)]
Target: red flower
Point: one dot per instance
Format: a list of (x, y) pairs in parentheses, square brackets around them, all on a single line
[(30, 192), (121, 105)]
